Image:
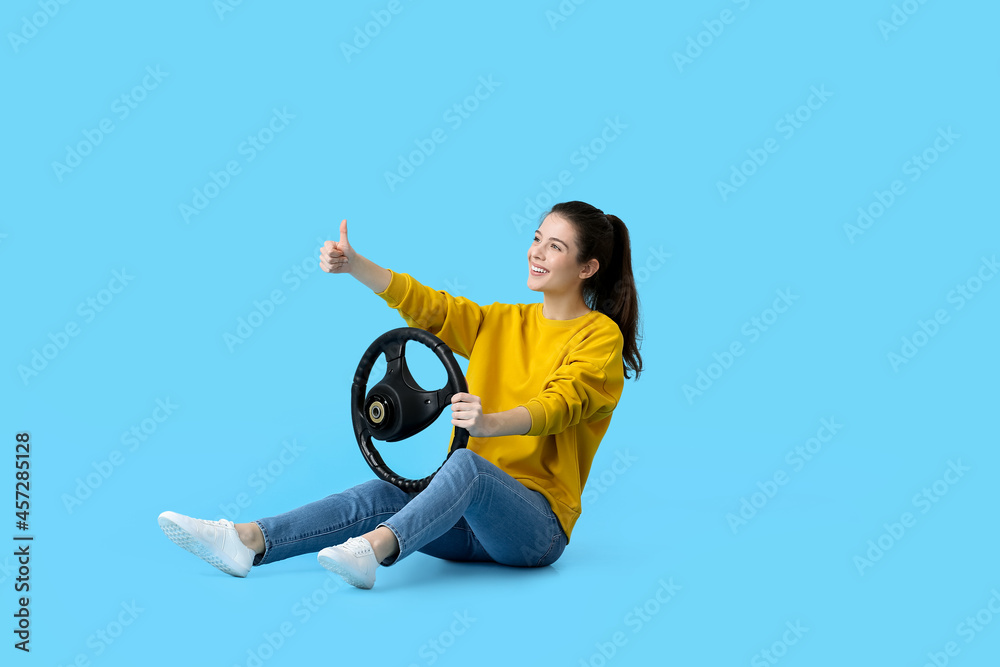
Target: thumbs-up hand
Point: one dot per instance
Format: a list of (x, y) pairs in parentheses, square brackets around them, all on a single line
[(336, 256)]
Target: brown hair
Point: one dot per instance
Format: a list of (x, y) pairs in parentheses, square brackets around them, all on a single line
[(612, 289)]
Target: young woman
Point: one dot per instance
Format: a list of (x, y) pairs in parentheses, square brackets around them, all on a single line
[(543, 379)]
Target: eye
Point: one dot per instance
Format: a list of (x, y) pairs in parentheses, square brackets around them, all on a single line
[(555, 247)]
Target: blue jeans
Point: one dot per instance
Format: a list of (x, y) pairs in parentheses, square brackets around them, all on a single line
[(471, 511)]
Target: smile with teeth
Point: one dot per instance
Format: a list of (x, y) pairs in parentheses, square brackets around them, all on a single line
[(537, 270)]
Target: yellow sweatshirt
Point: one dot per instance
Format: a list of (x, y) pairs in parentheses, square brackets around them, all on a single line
[(567, 373)]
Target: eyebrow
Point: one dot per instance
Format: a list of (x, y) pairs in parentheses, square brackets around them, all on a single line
[(553, 238)]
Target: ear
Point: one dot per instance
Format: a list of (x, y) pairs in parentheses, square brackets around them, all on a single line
[(589, 269)]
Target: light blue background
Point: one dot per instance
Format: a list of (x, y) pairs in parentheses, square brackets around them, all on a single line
[(670, 469)]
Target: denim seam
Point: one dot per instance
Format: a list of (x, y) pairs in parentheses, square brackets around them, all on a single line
[(552, 544), (547, 552), (453, 505), (541, 513), (458, 501), (399, 541), (267, 545)]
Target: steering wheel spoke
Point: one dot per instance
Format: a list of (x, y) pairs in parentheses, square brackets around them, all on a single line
[(397, 406)]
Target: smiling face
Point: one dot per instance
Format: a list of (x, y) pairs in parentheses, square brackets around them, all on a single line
[(552, 265)]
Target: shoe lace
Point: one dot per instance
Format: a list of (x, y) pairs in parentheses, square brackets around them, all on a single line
[(359, 546)]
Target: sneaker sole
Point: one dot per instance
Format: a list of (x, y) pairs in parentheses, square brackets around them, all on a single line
[(348, 574), (186, 541)]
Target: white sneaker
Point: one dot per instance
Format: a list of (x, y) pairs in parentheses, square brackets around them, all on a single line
[(215, 542), (354, 560)]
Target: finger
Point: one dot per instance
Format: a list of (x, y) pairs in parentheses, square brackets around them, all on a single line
[(331, 261), (343, 231), (334, 265)]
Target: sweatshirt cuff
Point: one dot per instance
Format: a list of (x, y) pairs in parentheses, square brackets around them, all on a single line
[(537, 411), (393, 294)]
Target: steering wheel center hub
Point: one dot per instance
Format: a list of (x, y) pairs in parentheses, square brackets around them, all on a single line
[(397, 407), (377, 411)]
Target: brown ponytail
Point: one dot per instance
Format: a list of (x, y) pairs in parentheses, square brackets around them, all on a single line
[(612, 289)]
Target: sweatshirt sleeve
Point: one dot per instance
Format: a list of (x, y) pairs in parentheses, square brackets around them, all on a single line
[(455, 320), (585, 387)]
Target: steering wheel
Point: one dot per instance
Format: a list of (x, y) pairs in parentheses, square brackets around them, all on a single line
[(397, 407)]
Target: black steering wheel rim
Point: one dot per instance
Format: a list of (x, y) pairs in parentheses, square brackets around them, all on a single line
[(397, 407)]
